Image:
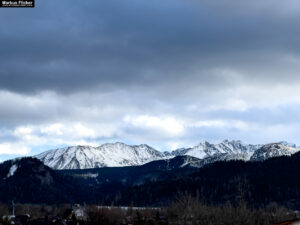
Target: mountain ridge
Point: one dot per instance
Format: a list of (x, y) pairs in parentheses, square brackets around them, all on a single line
[(119, 154), (106, 155)]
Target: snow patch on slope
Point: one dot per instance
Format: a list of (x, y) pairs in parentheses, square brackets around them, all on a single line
[(12, 171)]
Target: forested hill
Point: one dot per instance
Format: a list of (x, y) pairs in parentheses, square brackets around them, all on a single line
[(257, 183)]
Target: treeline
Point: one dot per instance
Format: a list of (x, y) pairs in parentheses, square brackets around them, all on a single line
[(258, 183), (186, 210)]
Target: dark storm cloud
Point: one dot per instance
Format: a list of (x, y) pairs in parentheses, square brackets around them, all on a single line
[(118, 44), (166, 73)]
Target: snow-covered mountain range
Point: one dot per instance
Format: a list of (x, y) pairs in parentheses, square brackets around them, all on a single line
[(119, 154)]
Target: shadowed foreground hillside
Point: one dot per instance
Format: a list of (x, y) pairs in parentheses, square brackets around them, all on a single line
[(259, 184)]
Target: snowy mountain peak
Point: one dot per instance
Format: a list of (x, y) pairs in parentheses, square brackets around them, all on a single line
[(206, 149), (204, 143), (273, 150), (285, 143), (106, 155)]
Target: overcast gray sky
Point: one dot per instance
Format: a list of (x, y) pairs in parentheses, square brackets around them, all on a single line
[(167, 73)]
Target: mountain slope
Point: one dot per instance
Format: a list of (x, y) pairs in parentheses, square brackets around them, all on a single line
[(28, 180), (134, 175), (206, 149), (259, 184), (107, 155), (273, 150)]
